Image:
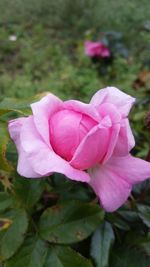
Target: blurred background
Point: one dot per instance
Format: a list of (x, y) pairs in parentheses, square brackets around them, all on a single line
[(42, 49)]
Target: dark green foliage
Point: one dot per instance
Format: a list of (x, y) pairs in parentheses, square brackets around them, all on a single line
[(12, 237), (127, 257), (36, 252), (70, 222)]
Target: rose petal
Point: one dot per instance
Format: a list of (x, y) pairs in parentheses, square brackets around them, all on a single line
[(84, 108), (112, 181), (93, 147), (125, 140), (112, 95), (112, 142), (110, 110), (42, 111), (43, 159), (134, 170), (24, 167), (54, 163), (64, 132), (111, 189)]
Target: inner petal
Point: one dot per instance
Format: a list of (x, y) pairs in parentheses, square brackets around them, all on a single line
[(67, 129)]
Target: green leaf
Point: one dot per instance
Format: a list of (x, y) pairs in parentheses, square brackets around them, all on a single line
[(36, 253), (129, 215), (31, 254), (19, 105), (117, 221), (12, 237), (129, 257), (5, 201), (4, 138), (139, 241), (14, 104), (59, 256), (70, 190), (102, 241), (28, 191), (144, 214), (70, 222)]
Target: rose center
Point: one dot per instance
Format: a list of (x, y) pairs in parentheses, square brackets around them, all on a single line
[(67, 129)]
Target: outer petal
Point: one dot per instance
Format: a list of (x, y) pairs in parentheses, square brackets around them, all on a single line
[(125, 140), (93, 147), (111, 189), (42, 111), (122, 101), (134, 170), (84, 108), (112, 182), (24, 167), (43, 159)]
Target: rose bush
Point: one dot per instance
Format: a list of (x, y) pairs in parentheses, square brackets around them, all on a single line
[(96, 49), (86, 142)]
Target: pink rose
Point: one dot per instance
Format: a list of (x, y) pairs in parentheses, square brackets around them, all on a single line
[(86, 142), (96, 49)]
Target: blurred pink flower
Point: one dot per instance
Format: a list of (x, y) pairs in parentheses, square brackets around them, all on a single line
[(86, 142), (96, 49)]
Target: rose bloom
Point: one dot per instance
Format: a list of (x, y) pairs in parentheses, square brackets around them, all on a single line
[(86, 142), (96, 49)]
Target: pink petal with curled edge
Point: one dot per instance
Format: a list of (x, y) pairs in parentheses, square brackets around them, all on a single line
[(112, 142), (84, 108), (122, 101), (134, 170), (111, 189), (93, 147), (24, 167), (43, 159), (125, 140), (54, 163), (108, 109), (112, 182), (111, 111), (42, 111)]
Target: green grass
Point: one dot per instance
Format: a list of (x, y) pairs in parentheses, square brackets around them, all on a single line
[(75, 17)]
